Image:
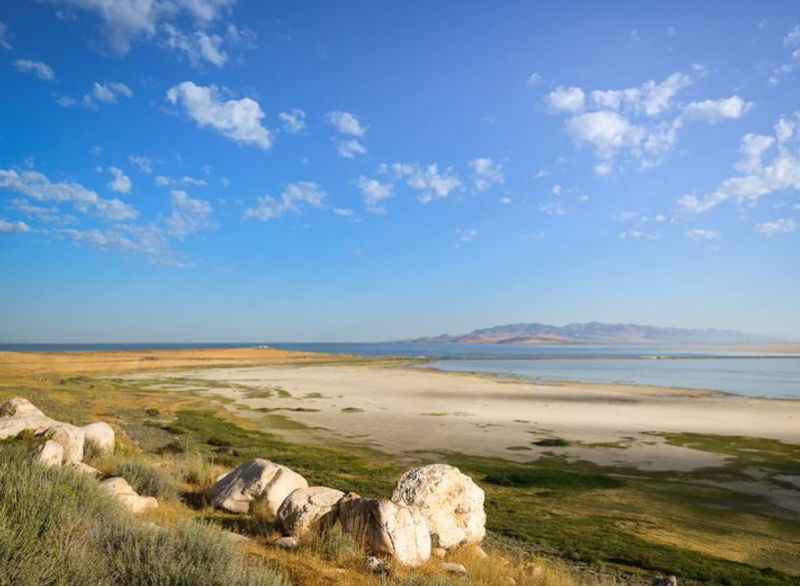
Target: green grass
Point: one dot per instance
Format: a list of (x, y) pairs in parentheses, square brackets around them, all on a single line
[(551, 442), (59, 527)]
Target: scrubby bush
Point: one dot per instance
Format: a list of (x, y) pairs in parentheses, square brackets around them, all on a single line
[(59, 527), (147, 480)]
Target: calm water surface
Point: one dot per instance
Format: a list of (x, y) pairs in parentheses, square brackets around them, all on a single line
[(731, 372)]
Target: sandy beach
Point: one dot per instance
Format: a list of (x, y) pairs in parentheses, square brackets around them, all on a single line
[(402, 410)]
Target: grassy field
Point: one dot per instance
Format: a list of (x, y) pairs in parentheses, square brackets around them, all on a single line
[(550, 521)]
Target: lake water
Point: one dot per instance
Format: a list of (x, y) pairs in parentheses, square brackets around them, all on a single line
[(731, 372)]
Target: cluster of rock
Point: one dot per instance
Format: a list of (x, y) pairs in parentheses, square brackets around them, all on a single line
[(64, 445), (433, 509)]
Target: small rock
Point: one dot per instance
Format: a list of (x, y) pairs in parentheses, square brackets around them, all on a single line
[(668, 581), (71, 438), (124, 493), (439, 552), (305, 508), (101, 434), (51, 453), (286, 543), (376, 565), (452, 568), (257, 479), (84, 469)]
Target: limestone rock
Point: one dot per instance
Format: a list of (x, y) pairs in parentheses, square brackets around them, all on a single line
[(384, 527), (450, 501), (306, 507), (18, 415), (452, 568), (51, 453), (257, 479), (84, 469), (71, 438), (19, 407), (101, 434), (287, 543), (124, 493), (439, 552), (376, 565)]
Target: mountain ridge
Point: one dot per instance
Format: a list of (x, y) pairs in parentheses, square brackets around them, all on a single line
[(597, 333)]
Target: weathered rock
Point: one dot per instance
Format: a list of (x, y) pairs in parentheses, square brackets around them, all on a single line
[(384, 527), (124, 493), (305, 508), (453, 568), (84, 469), (100, 434), (450, 501), (19, 407), (668, 581), (376, 565), (287, 543), (18, 415), (439, 552), (51, 453), (257, 479), (70, 437)]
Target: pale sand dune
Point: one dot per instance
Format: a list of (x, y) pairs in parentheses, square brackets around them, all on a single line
[(408, 409)]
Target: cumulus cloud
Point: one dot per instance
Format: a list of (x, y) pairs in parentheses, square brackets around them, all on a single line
[(427, 180), (144, 164), (638, 235), (506, 200), (350, 148), (374, 194), (485, 173), (189, 215), (293, 198), (781, 172), (7, 227), (238, 120), (792, 38), (293, 121), (125, 20), (776, 227), (200, 46), (185, 180), (120, 182), (149, 240), (110, 92), (46, 214), (650, 98), (37, 68), (714, 111), (606, 131), (702, 234), (37, 186), (566, 99), (346, 123)]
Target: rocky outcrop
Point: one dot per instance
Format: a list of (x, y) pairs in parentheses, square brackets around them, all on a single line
[(309, 507), (124, 493), (51, 453), (71, 438), (384, 527), (258, 479), (450, 501), (18, 415), (101, 435)]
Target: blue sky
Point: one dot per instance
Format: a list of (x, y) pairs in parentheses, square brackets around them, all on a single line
[(222, 170)]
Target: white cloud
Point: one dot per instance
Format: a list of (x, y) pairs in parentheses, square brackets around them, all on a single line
[(120, 183), (506, 200), (566, 99), (292, 199), (792, 38), (185, 180), (110, 92), (344, 212), (428, 180), (188, 215), (702, 234), (239, 120), (603, 169), (66, 101), (293, 121), (125, 20), (534, 79), (144, 164), (149, 240), (541, 173), (49, 215), (638, 235), (780, 173), (39, 69), (713, 111), (350, 148), (485, 173), (776, 227), (346, 123), (374, 194), (7, 227), (784, 130), (466, 234), (37, 186), (199, 46), (553, 208), (583, 198), (556, 190), (606, 131), (4, 37), (651, 98)]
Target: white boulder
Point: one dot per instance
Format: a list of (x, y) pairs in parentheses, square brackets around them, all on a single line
[(18, 415), (51, 453), (100, 434), (384, 527), (70, 437), (124, 493), (307, 507), (19, 407), (450, 501), (84, 469), (257, 479)]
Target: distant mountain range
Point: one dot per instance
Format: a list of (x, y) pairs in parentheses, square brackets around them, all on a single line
[(597, 333)]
